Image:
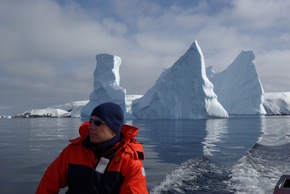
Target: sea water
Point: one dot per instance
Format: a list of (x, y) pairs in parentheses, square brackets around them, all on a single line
[(234, 155)]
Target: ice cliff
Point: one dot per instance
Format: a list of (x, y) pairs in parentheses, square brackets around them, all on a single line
[(106, 84), (238, 87), (277, 103), (182, 91)]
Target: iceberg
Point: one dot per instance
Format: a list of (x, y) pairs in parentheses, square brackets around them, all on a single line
[(182, 91), (129, 99), (46, 112), (71, 109), (6, 117), (186, 90), (274, 104), (238, 87), (71, 105), (277, 103), (106, 84)]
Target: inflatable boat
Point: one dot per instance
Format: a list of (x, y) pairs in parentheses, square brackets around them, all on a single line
[(283, 185)]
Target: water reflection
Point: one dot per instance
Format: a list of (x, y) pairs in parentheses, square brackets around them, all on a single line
[(27, 147), (216, 129), (220, 139), (174, 140), (227, 140), (275, 131), (168, 143), (48, 129)]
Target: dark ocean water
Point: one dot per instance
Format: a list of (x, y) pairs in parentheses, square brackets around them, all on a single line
[(234, 155)]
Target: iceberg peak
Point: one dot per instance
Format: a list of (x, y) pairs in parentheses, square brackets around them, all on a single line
[(182, 91), (238, 87), (106, 84)]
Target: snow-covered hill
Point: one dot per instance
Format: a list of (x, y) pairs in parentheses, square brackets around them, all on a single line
[(72, 109)]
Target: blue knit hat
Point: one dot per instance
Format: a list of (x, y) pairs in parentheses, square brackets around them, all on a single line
[(111, 114)]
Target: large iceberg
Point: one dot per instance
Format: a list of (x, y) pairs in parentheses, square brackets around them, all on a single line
[(182, 91), (106, 84), (238, 87)]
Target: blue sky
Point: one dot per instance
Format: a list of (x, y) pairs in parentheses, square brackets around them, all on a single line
[(48, 47)]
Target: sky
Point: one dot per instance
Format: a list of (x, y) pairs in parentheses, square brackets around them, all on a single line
[(48, 47)]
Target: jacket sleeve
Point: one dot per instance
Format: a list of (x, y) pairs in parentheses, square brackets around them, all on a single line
[(134, 179), (55, 176)]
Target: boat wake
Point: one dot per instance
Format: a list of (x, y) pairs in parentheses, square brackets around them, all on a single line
[(256, 172), (199, 175), (259, 170)]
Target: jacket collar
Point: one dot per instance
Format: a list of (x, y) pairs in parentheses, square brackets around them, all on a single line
[(127, 131)]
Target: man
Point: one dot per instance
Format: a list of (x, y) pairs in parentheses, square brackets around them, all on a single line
[(106, 158)]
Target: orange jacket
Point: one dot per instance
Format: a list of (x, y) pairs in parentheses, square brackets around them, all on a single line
[(78, 167)]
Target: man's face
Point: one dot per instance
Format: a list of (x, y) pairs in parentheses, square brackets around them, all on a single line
[(99, 131)]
